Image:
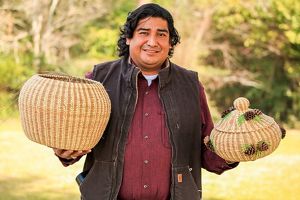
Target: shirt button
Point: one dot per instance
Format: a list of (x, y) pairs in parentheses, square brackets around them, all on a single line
[(146, 161), (147, 92), (145, 186), (146, 114), (146, 137)]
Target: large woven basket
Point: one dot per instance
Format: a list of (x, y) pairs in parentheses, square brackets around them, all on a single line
[(64, 112), (245, 134)]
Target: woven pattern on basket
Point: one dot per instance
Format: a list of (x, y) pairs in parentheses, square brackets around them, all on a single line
[(245, 134), (64, 112)]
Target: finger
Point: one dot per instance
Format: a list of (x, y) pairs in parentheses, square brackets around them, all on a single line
[(86, 151), (75, 154), (66, 154), (58, 151), (206, 140), (80, 153)]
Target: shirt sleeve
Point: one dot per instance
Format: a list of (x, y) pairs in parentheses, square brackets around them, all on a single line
[(89, 75), (210, 160)]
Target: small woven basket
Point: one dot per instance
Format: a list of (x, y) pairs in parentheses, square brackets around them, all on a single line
[(245, 134), (64, 112)]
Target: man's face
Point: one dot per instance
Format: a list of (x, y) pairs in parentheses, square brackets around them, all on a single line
[(150, 44)]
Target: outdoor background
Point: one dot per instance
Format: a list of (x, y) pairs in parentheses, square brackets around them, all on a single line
[(244, 48)]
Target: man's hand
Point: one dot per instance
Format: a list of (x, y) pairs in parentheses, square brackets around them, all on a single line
[(69, 154)]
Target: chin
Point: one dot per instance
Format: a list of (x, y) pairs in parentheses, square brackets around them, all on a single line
[(151, 62)]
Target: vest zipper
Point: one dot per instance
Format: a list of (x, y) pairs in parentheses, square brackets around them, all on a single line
[(122, 126)]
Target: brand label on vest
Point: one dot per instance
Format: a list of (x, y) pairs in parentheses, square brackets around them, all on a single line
[(179, 178)]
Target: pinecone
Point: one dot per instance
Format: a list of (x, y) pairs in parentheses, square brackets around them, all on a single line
[(283, 132), (257, 112), (225, 112), (209, 144), (250, 150), (262, 146), (249, 115)]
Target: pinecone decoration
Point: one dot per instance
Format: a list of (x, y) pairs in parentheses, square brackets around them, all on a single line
[(283, 132), (257, 112), (249, 150), (208, 143), (262, 146), (225, 112), (249, 115)]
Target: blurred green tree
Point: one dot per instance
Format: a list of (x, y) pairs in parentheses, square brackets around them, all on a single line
[(37, 36), (244, 48), (259, 43)]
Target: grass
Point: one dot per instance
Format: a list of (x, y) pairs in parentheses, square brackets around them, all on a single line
[(273, 177), (29, 171)]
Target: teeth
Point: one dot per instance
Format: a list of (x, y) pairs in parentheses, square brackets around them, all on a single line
[(151, 51)]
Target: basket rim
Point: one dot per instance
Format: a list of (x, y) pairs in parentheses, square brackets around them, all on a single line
[(236, 132), (66, 78)]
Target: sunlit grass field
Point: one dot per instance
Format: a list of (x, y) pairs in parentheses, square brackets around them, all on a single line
[(29, 171)]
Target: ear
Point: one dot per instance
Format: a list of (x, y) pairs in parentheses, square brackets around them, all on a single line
[(128, 41)]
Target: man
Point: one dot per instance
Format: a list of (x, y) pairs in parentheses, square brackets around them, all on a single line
[(153, 145)]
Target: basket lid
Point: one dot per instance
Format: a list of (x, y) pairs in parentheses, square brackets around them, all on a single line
[(241, 118)]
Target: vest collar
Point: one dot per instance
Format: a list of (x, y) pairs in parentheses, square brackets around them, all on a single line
[(163, 74)]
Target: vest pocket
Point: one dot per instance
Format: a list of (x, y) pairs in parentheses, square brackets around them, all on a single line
[(184, 184), (165, 139), (98, 182)]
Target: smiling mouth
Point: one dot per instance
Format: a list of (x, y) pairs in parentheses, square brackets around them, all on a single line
[(151, 50)]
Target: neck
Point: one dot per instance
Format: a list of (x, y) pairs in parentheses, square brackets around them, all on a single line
[(149, 72)]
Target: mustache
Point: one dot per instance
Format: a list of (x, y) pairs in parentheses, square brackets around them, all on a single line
[(151, 48), (148, 47)]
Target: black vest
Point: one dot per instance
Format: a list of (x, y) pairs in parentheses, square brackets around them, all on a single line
[(179, 93)]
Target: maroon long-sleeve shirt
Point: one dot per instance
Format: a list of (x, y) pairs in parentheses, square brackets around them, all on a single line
[(147, 161)]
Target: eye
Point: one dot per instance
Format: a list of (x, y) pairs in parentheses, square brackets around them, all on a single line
[(162, 34), (143, 33)]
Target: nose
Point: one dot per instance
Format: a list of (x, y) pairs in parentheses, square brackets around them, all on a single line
[(152, 42)]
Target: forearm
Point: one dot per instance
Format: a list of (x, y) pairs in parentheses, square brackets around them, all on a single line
[(214, 163), (210, 160)]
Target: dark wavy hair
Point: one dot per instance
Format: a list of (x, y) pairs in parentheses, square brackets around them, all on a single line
[(142, 12)]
